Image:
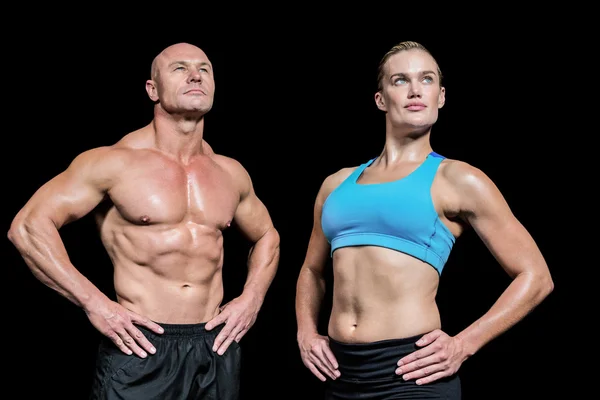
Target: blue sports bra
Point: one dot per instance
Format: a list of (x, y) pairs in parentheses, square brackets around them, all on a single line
[(398, 215)]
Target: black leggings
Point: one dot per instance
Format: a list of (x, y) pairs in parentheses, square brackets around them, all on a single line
[(184, 367), (368, 373)]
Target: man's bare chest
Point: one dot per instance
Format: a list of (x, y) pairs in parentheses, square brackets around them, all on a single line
[(169, 193)]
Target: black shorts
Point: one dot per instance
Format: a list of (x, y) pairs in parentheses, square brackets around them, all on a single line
[(368, 373), (183, 367)]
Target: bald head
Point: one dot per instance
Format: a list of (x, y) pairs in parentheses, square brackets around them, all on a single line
[(175, 52)]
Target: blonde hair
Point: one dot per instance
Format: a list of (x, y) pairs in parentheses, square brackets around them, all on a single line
[(402, 46)]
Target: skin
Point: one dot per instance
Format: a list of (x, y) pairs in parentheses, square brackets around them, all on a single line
[(380, 293), (162, 199)]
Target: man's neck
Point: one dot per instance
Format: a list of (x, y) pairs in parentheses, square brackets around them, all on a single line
[(179, 136)]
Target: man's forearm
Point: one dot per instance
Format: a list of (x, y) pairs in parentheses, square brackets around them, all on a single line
[(263, 262), (43, 251)]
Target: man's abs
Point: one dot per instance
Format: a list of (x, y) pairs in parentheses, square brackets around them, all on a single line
[(381, 294), (168, 274)]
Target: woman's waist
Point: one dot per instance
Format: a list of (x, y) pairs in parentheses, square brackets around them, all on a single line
[(372, 361), (375, 322)]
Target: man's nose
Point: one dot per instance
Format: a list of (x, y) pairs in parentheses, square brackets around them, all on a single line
[(195, 76)]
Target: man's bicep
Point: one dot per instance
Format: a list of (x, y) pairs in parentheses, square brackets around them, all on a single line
[(252, 217), (66, 197)]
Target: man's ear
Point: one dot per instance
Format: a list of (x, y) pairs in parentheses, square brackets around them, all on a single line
[(379, 101), (151, 90)]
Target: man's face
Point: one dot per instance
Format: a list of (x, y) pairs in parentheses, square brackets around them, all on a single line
[(183, 80)]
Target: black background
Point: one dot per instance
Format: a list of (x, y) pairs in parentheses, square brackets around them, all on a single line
[(294, 103)]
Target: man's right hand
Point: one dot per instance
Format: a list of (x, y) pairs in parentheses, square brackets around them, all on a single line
[(117, 323), (317, 356)]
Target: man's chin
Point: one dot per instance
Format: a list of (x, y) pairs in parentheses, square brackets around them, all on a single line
[(195, 111), (202, 108)]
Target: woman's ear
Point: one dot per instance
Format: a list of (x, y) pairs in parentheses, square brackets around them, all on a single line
[(442, 97), (379, 101)]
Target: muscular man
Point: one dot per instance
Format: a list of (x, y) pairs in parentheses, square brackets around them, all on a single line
[(163, 199)]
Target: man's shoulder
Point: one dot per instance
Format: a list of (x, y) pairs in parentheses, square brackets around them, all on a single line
[(226, 161), (233, 167), (103, 162), (105, 153)]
